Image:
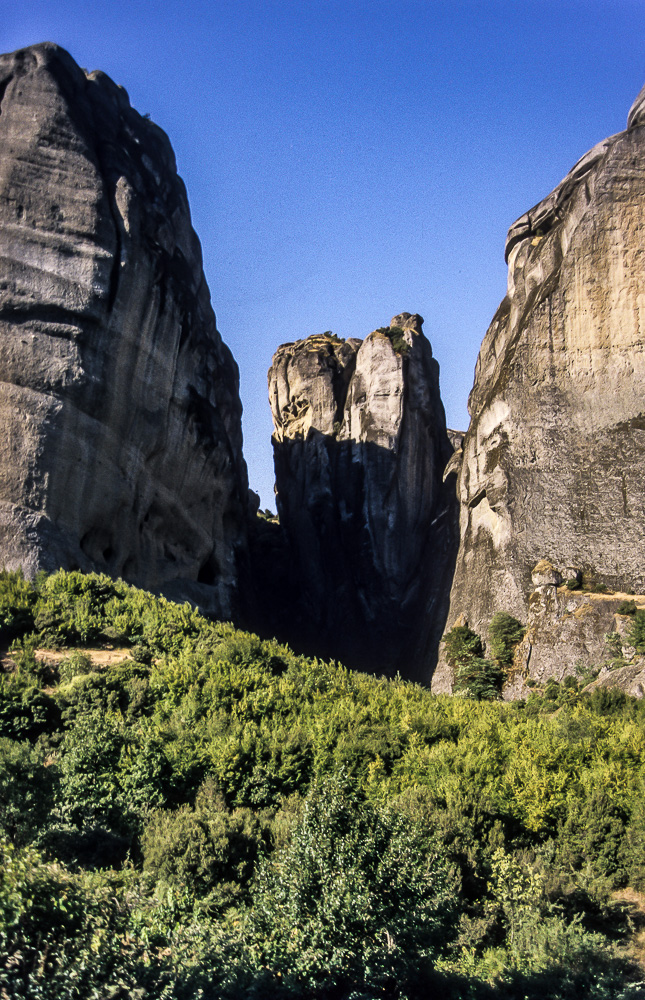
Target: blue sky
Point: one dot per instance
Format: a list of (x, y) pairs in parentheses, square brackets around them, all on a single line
[(346, 161)]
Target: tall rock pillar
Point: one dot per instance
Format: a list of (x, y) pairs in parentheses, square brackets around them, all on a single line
[(360, 447)]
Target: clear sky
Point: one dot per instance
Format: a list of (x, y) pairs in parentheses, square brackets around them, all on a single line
[(347, 160)]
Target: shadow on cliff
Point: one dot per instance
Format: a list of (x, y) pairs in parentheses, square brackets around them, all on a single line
[(360, 566)]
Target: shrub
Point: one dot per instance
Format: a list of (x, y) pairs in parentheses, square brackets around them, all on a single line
[(636, 634), (396, 336), (17, 600), (505, 633), (479, 678), (208, 848), (358, 900), (75, 665), (461, 643), (626, 608), (398, 341), (615, 644), (573, 583)]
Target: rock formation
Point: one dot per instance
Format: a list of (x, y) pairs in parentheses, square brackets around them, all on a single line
[(121, 431), (553, 463), (360, 446), (575, 633)]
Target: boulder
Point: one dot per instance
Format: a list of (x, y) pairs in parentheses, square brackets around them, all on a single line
[(121, 420)]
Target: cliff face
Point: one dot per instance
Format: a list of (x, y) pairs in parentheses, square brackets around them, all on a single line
[(553, 463), (121, 433), (360, 446)]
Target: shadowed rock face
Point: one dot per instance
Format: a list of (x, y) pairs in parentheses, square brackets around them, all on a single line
[(121, 434), (360, 445), (553, 463)]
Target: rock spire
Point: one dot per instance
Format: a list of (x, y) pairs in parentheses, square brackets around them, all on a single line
[(360, 446)]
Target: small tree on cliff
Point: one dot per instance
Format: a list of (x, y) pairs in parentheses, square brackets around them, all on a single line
[(504, 632), (475, 676)]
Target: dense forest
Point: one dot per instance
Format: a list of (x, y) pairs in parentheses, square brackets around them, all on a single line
[(188, 811)]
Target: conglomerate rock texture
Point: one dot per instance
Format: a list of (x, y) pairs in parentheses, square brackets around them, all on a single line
[(121, 421), (553, 463), (360, 446)]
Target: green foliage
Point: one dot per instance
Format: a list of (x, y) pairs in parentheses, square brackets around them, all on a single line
[(17, 599), (89, 791), (504, 632), (27, 788), (186, 808), (479, 678), (626, 608), (475, 676), (615, 645), (460, 644), (208, 849), (78, 609), (26, 712), (636, 634), (396, 336), (75, 665), (358, 900), (573, 583)]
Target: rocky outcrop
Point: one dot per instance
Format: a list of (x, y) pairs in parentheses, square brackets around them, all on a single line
[(360, 446), (574, 633), (121, 434), (553, 463)]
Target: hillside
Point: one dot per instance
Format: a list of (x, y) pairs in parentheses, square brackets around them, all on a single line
[(190, 811)]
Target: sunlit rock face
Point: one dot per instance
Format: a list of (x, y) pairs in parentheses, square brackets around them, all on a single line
[(121, 420), (553, 463), (360, 446)]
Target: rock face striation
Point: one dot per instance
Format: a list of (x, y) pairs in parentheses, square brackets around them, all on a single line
[(553, 464), (360, 446), (121, 421)]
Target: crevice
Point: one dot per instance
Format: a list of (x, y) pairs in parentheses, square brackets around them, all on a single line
[(109, 189), (209, 571), (55, 318), (477, 499), (3, 88)]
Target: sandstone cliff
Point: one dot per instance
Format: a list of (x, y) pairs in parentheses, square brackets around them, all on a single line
[(553, 463), (360, 446), (121, 433)]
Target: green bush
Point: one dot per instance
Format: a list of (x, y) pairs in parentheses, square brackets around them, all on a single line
[(626, 608), (75, 665), (209, 849), (17, 600), (505, 632), (636, 634), (396, 336), (359, 900), (479, 678), (573, 583), (460, 644)]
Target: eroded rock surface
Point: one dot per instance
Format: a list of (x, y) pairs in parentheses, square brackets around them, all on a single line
[(360, 447), (575, 634), (553, 463), (121, 433)]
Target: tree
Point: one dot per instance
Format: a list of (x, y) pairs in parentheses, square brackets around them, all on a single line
[(359, 899), (504, 632)]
